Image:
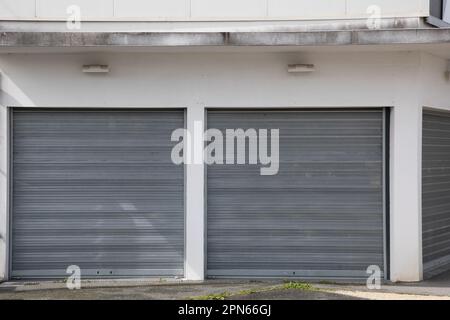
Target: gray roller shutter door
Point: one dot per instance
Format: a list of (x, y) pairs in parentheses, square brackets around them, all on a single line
[(436, 192), (321, 216), (96, 189)]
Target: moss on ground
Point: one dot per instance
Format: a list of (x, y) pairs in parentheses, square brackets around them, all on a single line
[(291, 285), (214, 296)]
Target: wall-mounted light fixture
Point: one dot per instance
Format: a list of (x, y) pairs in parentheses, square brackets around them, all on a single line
[(96, 68), (300, 68)]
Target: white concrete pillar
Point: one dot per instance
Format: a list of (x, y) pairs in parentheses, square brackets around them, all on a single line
[(195, 201), (406, 211), (4, 193)]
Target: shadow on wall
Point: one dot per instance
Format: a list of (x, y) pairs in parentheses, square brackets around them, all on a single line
[(9, 90)]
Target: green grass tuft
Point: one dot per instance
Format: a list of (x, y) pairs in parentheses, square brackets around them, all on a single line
[(215, 296), (291, 285), (297, 285), (251, 291)]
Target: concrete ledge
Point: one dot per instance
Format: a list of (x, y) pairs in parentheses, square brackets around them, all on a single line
[(172, 39), (108, 39), (342, 38)]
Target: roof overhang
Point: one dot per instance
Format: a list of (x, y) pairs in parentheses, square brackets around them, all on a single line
[(223, 39), (432, 41)]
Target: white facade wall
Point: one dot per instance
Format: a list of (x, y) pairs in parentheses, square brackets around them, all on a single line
[(207, 79), (435, 84), (405, 81), (430, 83), (200, 10)]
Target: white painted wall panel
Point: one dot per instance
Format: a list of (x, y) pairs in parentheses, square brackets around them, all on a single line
[(238, 80), (11, 9), (211, 9), (357, 8), (307, 8), (230, 8), (147, 9), (100, 9)]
